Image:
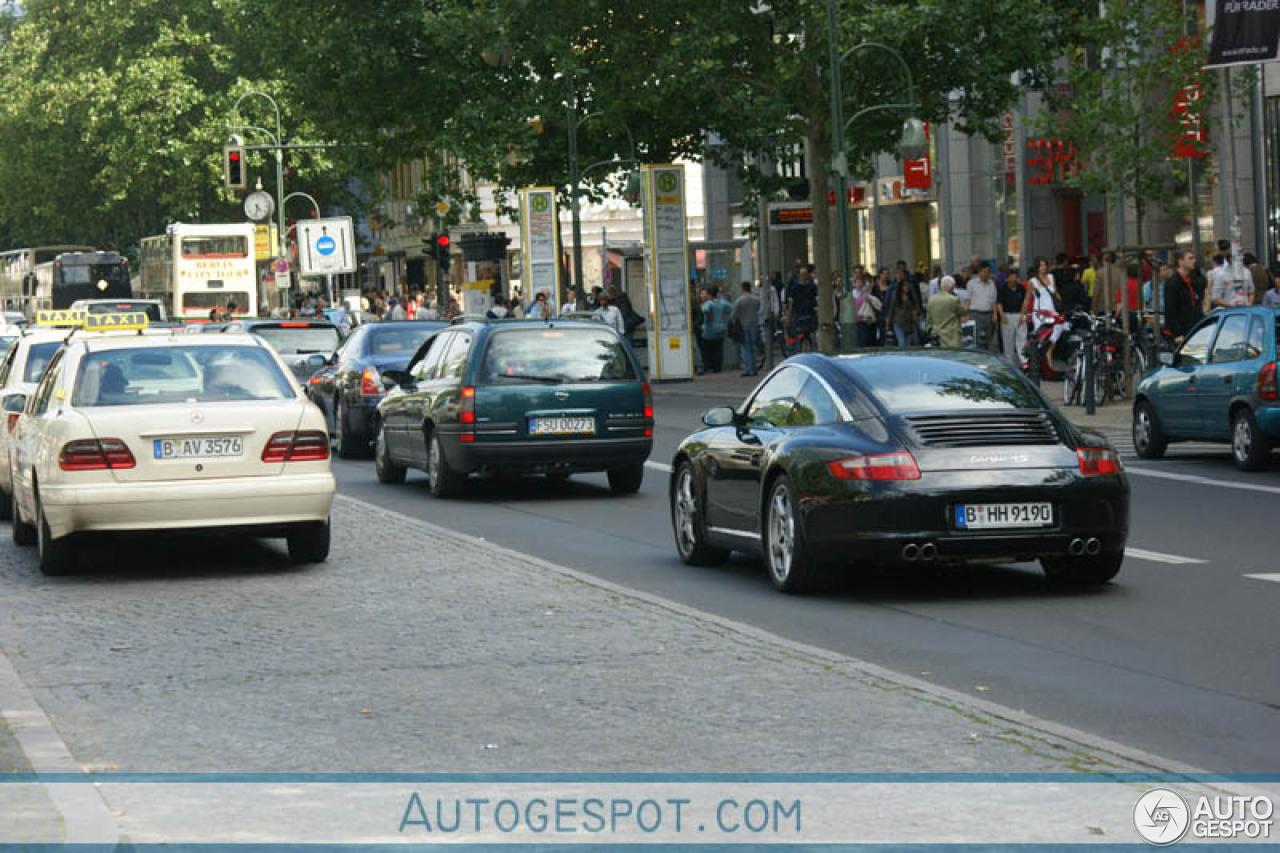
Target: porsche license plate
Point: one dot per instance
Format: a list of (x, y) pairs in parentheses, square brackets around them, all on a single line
[(198, 447), (562, 426), (997, 516)]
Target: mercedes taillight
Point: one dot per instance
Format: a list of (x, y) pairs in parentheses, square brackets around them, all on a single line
[(303, 446), (95, 454), (371, 382)]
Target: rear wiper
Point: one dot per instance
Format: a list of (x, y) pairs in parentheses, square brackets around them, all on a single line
[(311, 351), (555, 380)]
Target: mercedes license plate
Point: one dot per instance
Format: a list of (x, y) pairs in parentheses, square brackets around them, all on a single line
[(995, 516), (198, 447), (562, 426)]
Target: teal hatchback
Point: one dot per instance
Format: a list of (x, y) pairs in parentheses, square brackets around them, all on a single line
[(554, 397), (1220, 385)]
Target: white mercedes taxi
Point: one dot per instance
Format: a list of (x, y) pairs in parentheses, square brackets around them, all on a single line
[(131, 432), (20, 370)]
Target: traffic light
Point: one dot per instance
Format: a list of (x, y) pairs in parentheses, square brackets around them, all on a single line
[(234, 173), (441, 252)]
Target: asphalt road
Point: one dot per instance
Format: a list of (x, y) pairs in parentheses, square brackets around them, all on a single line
[(1176, 657)]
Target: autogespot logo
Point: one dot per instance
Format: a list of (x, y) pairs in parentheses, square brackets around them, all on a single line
[(1161, 816)]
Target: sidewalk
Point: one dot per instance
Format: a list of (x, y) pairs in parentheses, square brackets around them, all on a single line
[(728, 386)]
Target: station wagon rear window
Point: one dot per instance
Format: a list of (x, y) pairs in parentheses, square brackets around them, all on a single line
[(289, 340), (555, 355), (159, 375)]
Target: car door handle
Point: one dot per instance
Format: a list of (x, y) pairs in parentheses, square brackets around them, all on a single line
[(1226, 380)]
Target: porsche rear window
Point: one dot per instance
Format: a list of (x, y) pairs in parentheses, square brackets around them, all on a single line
[(159, 375), (910, 383)]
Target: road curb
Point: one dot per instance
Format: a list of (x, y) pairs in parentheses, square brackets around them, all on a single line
[(1106, 751), (86, 818)]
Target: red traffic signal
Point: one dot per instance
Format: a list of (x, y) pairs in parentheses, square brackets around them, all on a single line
[(442, 241), (234, 176)]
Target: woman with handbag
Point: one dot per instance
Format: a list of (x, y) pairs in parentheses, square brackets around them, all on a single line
[(903, 311)]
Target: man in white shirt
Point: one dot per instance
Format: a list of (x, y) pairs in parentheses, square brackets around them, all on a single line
[(610, 314), (982, 306)]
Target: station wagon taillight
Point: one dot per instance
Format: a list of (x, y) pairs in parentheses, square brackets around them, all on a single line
[(1096, 461), (467, 415), (1267, 389), (95, 454), (876, 466), (370, 383), (304, 446), (648, 400)]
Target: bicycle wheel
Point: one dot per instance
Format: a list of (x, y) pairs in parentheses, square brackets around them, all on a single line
[(1103, 378), (1071, 380)]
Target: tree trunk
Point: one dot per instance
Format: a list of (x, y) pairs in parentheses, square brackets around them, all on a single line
[(818, 162)]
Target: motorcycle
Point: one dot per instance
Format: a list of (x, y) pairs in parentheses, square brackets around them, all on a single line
[(1038, 342)]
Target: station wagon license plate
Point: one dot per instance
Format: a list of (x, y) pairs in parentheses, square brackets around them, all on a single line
[(198, 447), (562, 426), (997, 516)]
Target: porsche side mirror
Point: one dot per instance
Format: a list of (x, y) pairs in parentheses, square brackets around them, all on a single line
[(316, 361), (720, 416)]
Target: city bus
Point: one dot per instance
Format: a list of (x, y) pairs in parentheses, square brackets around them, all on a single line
[(71, 276), (17, 274), (193, 269)]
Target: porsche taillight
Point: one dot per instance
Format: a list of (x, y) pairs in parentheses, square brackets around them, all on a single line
[(303, 446), (1267, 389), (467, 415), (1096, 461), (95, 454), (876, 466), (371, 383)]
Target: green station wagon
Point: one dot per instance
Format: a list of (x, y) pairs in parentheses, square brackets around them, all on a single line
[(517, 396)]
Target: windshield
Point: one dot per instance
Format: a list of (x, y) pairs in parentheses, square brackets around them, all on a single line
[(37, 358), (305, 339), (151, 309), (93, 273), (560, 355), (909, 383), (203, 300), (399, 339), (176, 374)]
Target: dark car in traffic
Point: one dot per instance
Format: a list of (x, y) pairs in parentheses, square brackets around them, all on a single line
[(349, 389), (1219, 385), (899, 457), (550, 397), (305, 345)]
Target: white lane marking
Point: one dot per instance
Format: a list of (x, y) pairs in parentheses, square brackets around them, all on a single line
[(1266, 577), (658, 466), (1157, 557), (1143, 471)]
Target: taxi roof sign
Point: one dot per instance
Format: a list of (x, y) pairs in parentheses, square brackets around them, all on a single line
[(62, 318), (115, 321)]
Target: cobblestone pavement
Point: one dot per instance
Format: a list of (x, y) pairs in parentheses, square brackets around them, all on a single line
[(415, 649)]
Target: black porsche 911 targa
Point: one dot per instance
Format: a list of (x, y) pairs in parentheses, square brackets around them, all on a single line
[(896, 457)]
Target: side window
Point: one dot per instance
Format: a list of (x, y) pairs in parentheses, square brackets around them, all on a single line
[(455, 361), (52, 375), (772, 404), (429, 367), (1230, 343), (1195, 349), (1253, 348), (814, 406)]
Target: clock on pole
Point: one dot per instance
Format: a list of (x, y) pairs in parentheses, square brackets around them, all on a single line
[(259, 205)]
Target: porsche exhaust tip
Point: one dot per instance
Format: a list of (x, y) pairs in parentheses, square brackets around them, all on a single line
[(928, 551), (910, 552), (1093, 546), (1076, 548)]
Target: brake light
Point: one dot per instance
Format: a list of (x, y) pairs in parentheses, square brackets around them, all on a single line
[(295, 325), (95, 454), (305, 446), (648, 400), (467, 415), (876, 466), (1096, 461), (371, 382), (1267, 387)]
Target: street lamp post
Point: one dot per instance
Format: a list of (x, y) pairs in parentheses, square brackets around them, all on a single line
[(315, 205), (575, 187), (912, 144), (278, 143)]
